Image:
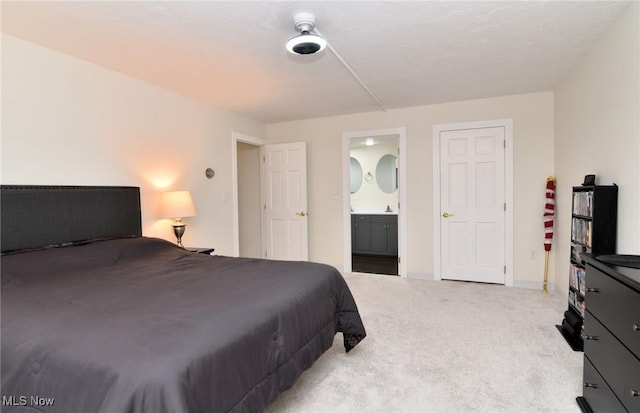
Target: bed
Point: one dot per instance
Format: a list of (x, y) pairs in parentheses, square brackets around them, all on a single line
[(98, 318)]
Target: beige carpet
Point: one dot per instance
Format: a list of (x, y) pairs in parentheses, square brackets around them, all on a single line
[(444, 347)]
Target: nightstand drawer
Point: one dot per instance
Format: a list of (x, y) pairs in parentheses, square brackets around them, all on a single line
[(597, 392), (613, 361), (616, 306)]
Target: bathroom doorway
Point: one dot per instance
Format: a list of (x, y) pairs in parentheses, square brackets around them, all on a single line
[(374, 179)]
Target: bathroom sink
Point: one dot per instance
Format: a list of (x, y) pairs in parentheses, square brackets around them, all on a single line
[(632, 261)]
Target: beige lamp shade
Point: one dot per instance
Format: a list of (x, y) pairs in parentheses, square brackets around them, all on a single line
[(177, 204)]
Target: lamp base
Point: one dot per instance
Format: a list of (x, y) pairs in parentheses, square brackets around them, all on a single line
[(178, 229)]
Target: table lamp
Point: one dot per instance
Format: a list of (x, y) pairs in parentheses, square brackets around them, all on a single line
[(177, 205)]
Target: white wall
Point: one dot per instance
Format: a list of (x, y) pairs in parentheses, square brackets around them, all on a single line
[(66, 121), (532, 116), (370, 197), (597, 124)]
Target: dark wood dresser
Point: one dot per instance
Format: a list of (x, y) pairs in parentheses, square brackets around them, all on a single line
[(611, 377)]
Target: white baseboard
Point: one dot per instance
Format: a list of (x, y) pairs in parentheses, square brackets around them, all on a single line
[(534, 285), (420, 275)]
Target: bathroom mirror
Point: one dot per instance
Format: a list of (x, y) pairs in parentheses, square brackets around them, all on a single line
[(387, 174), (356, 175)]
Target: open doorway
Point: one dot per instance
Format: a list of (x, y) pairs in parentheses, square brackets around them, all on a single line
[(269, 199), (374, 204), (247, 210), (373, 194)]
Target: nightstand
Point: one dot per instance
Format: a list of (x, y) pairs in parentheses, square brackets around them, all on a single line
[(207, 251)]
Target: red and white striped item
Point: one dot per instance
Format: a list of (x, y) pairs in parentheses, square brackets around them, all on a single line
[(549, 213)]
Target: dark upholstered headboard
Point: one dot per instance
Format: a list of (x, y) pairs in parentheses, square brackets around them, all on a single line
[(39, 216)]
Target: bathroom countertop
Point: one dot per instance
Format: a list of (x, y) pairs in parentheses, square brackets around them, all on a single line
[(373, 212)]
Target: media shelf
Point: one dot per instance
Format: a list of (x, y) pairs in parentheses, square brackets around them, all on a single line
[(593, 231)]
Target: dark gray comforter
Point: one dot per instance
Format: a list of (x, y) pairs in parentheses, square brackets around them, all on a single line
[(139, 325)]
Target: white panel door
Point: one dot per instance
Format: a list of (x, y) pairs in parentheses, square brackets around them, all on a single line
[(285, 201), (472, 201)]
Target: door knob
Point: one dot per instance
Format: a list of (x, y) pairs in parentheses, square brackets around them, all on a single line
[(302, 214), (446, 215)]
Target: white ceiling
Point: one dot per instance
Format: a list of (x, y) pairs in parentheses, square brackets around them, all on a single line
[(231, 53)]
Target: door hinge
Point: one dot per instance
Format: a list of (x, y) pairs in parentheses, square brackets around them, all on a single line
[(265, 254), (398, 260), (398, 205), (264, 159), (265, 207), (505, 207), (504, 143), (505, 269)]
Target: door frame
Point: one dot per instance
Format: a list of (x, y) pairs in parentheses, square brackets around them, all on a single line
[(235, 138), (402, 195), (507, 124)]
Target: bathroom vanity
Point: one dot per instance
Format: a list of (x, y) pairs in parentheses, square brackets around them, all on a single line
[(374, 234)]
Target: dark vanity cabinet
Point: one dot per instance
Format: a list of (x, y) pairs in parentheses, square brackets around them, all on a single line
[(384, 235), (361, 234), (374, 234), (611, 378)]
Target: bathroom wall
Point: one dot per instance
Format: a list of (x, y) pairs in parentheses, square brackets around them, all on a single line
[(370, 198)]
